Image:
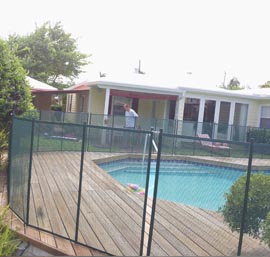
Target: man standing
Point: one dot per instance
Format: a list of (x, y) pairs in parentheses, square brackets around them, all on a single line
[(131, 116)]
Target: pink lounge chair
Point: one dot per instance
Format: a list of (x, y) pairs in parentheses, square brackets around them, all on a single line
[(210, 144)]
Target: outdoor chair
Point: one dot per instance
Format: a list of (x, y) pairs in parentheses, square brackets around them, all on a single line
[(210, 144)]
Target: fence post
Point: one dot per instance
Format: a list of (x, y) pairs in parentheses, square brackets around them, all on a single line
[(175, 136), (88, 137), (62, 136), (154, 194), (111, 132), (30, 172), (9, 158), (146, 191), (155, 123), (245, 198), (90, 118), (194, 146), (38, 136), (80, 184)]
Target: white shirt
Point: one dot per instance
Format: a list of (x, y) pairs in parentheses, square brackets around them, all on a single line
[(131, 118)]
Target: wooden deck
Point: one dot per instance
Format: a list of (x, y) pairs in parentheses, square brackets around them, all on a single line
[(52, 244), (111, 216)]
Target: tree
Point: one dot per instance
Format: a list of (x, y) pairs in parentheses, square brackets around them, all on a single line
[(15, 96), (49, 54), (257, 218), (234, 84), (266, 84)]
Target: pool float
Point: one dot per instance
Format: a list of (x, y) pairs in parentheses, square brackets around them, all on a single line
[(135, 189)]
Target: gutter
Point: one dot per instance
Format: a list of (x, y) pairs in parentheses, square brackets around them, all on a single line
[(136, 88), (229, 93)]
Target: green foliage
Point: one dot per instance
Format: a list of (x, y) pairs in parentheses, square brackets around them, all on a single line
[(3, 145), (15, 96), (31, 114), (266, 84), (49, 55), (258, 205), (259, 135), (234, 84), (8, 241), (266, 230), (56, 107)]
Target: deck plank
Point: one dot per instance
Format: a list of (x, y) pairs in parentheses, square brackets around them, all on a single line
[(85, 228), (111, 216), (48, 196)]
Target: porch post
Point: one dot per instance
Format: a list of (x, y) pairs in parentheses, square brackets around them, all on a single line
[(216, 118), (105, 117), (200, 116), (231, 120), (107, 100), (89, 104), (166, 109), (179, 110)]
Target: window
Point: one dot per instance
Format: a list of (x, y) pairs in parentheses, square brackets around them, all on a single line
[(69, 103), (209, 111), (191, 110), (81, 103), (240, 114), (224, 112), (265, 117)]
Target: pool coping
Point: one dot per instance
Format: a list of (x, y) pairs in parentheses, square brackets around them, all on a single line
[(224, 162)]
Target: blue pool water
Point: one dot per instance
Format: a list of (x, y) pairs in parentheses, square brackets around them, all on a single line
[(183, 182)]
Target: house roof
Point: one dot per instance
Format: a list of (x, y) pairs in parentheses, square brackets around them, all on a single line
[(143, 83), (255, 93), (38, 85)]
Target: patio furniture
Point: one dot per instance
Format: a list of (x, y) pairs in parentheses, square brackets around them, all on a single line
[(210, 144)]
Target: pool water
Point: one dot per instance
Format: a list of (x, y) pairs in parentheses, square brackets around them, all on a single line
[(183, 182)]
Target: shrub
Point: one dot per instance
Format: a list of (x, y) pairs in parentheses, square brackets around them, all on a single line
[(258, 206), (3, 145), (266, 230), (8, 240), (15, 95), (56, 107), (259, 135)]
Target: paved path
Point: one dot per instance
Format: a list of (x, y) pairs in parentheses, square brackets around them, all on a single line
[(26, 249)]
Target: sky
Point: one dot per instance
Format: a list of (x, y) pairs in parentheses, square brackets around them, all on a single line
[(203, 41)]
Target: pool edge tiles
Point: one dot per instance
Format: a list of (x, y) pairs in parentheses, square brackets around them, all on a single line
[(136, 159), (223, 162)]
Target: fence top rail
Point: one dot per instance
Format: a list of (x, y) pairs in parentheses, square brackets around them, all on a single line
[(81, 125), (204, 139), (139, 131), (169, 120), (80, 113)]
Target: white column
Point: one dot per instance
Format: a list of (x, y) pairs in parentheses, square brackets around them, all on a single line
[(105, 118), (231, 119), (107, 100), (89, 104), (201, 110), (216, 118), (232, 110), (177, 115), (180, 103), (200, 116), (166, 109)]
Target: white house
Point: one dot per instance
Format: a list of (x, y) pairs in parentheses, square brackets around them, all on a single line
[(192, 104)]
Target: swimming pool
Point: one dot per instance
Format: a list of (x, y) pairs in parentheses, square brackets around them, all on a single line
[(180, 181)]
